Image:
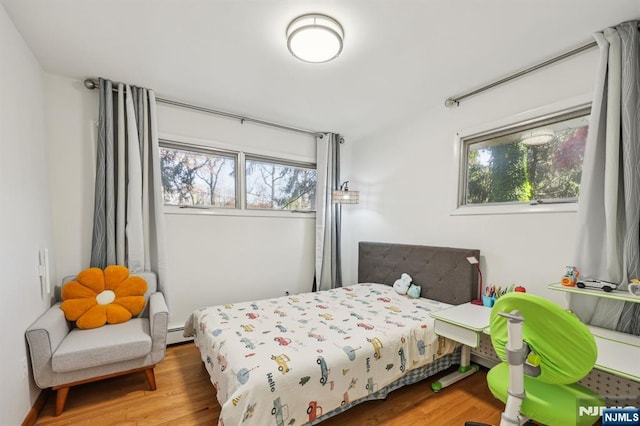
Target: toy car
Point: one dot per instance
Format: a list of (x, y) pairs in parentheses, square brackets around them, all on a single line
[(282, 361), (282, 341), (604, 285), (365, 326), (314, 410), (377, 346), (324, 371), (403, 359)]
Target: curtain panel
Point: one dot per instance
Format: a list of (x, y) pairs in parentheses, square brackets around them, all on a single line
[(328, 268), (128, 226), (608, 245)]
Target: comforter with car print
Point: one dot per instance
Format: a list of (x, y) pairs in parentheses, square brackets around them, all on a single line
[(289, 360)]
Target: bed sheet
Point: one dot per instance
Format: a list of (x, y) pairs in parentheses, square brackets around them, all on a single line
[(289, 360)]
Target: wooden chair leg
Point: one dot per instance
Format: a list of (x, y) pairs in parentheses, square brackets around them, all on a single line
[(61, 399), (151, 378)]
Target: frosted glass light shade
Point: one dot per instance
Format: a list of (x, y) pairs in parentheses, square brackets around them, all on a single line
[(315, 38)]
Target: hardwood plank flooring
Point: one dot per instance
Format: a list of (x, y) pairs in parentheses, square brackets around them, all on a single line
[(185, 396)]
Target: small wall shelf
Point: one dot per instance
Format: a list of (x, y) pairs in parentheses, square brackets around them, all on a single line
[(595, 292)]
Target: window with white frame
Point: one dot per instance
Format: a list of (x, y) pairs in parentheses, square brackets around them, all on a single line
[(534, 162), (279, 185), (197, 177), (202, 177)]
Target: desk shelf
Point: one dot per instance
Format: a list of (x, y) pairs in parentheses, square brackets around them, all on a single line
[(617, 352), (615, 294)]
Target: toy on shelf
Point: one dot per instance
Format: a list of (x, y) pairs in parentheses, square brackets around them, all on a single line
[(570, 279), (590, 282), (634, 287)]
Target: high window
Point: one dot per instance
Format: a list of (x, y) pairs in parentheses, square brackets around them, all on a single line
[(273, 184), (200, 177), (197, 177), (534, 162)]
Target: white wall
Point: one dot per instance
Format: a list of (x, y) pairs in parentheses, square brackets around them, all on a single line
[(72, 112), (225, 259), (212, 259), (25, 227), (407, 178)]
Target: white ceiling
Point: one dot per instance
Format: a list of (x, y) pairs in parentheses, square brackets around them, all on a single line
[(400, 56)]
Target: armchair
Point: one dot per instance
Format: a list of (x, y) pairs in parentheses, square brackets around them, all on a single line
[(63, 356)]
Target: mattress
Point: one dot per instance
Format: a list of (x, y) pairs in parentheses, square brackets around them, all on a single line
[(292, 360)]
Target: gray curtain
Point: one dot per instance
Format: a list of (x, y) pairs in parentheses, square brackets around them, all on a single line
[(328, 270), (608, 245), (128, 224)]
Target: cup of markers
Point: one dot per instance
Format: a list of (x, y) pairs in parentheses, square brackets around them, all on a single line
[(492, 293), (488, 300)]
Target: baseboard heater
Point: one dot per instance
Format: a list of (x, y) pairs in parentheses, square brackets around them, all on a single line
[(175, 335)]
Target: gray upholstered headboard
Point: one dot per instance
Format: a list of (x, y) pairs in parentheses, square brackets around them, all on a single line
[(444, 273)]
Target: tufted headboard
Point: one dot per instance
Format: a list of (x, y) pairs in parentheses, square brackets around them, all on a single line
[(444, 273)]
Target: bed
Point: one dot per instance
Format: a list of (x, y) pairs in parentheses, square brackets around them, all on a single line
[(300, 359)]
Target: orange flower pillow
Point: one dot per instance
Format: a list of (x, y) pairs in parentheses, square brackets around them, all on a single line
[(98, 297)]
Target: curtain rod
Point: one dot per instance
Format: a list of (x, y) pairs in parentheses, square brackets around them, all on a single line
[(454, 101), (92, 84)]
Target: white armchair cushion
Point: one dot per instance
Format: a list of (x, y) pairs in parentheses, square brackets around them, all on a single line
[(108, 344)]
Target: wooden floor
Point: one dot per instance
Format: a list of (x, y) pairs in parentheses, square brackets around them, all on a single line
[(186, 397)]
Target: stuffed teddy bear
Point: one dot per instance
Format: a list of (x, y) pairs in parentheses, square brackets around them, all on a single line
[(402, 285), (414, 291)]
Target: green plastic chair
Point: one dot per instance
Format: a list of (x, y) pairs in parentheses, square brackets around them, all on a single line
[(561, 351)]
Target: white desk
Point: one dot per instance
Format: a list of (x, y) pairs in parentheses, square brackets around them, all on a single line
[(617, 353), (463, 323)]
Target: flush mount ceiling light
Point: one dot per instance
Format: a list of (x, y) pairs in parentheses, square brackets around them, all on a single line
[(538, 137), (315, 38)]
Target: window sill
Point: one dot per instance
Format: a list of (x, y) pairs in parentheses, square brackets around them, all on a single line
[(175, 210), (515, 209)]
